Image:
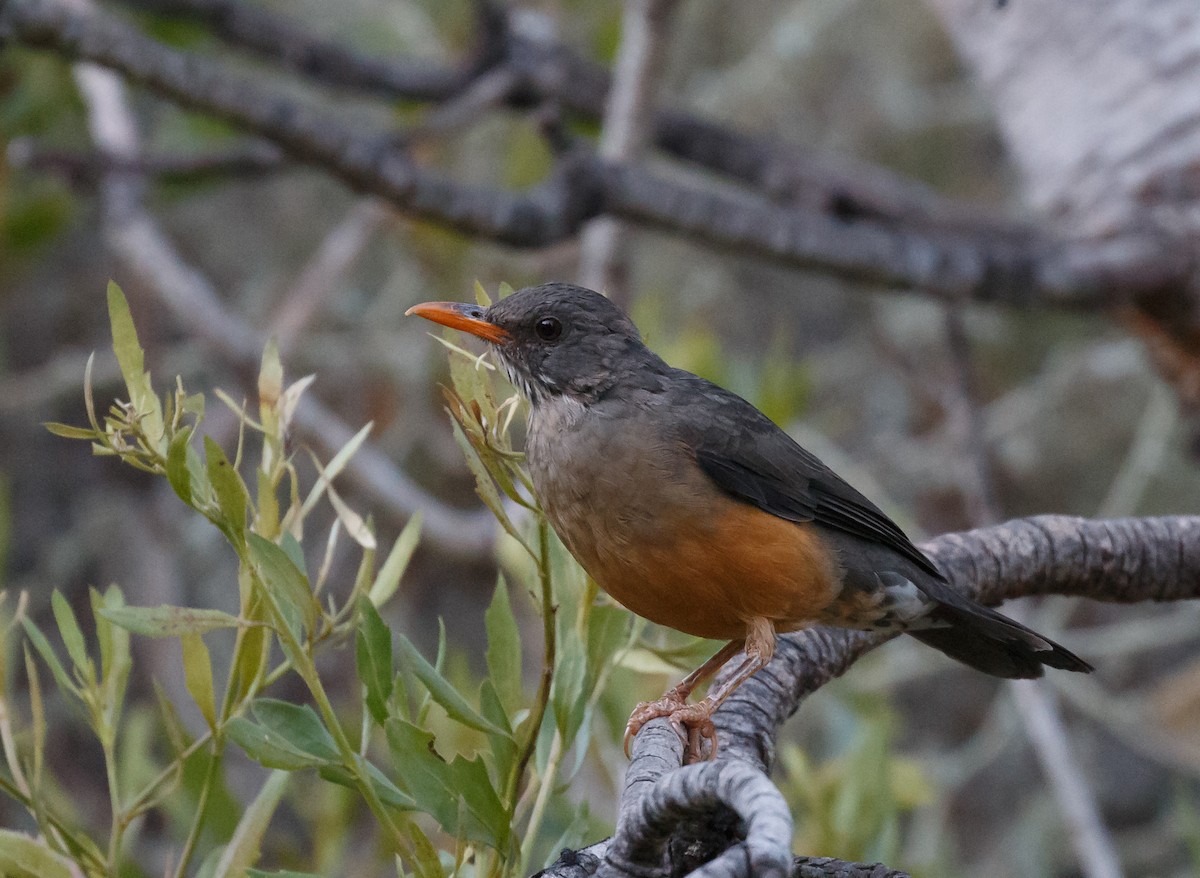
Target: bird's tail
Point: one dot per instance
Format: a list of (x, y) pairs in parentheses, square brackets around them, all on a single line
[(989, 641)]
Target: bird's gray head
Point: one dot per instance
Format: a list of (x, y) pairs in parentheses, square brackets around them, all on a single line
[(554, 340)]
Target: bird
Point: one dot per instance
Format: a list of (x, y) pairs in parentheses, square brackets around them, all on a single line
[(693, 509)]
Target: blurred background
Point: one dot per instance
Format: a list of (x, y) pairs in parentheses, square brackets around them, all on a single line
[(909, 759)]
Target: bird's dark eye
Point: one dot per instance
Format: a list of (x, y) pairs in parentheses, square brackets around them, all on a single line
[(548, 328)]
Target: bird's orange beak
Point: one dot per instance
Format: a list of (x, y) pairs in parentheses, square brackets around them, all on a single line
[(460, 315)]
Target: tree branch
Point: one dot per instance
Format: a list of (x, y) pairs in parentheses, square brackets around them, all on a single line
[(953, 264), (1125, 560), (628, 116)]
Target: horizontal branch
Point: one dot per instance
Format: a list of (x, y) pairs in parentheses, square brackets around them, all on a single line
[(281, 39), (545, 71), (1012, 268), (1126, 560)]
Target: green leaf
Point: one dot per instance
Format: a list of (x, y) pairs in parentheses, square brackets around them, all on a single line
[(253, 646), (485, 485), (388, 579), (131, 359), (439, 786), (243, 848), (37, 719), (22, 856), (326, 474), (69, 432), (504, 747), (178, 471), (390, 794), (229, 489), (504, 649), (115, 659), (198, 677), (268, 749), (282, 578), (72, 637), (441, 690), (566, 690), (299, 724), (50, 657), (168, 621), (373, 658)]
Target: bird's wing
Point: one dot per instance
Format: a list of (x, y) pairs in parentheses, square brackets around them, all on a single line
[(748, 456)]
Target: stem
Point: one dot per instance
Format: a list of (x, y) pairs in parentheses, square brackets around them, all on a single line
[(302, 662), (114, 799), (545, 788), (67, 841), (549, 638), (189, 846)]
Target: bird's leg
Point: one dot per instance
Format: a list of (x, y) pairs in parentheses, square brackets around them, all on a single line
[(675, 698), (693, 722)]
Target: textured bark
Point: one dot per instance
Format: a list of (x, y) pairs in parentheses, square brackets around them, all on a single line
[(1125, 560)]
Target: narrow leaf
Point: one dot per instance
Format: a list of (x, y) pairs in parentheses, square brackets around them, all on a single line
[(441, 690), (243, 848), (168, 621), (69, 432), (330, 471), (373, 654), (197, 675), (299, 724), (229, 490), (388, 579), (131, 359), (268, 748), (178, 471), (68, 629), (282, 578), (22, 856), (390, 794), (50, 657), (504, 649)]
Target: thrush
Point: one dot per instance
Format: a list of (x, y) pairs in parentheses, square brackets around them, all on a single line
[(693, 509)]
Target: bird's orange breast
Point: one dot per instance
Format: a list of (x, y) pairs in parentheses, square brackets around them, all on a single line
[(708, 574)]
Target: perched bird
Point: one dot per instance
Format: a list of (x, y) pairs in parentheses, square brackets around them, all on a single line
[(693, 509)]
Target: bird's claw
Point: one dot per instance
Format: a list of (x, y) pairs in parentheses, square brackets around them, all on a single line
[(691, 722)]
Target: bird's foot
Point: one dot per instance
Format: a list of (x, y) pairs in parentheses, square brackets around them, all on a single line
[(692, 722)]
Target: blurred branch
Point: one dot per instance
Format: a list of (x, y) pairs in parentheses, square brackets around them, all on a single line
[(319, 278), (279, 38), (1040, 716), (1144, 458), (628, 117), (190, 296), (87, 169), (955, 263), (547, 71)]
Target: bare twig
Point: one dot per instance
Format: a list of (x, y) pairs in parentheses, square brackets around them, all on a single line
[(626, 130)]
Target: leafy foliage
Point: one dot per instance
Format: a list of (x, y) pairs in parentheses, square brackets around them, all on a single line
[(458, 776)]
